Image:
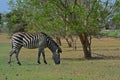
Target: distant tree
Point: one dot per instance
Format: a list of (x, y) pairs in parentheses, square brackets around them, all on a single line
[(0, 18), (0, 21), (116, 16), (109, 13), (15, 22)]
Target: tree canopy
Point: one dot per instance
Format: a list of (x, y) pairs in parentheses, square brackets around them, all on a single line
[(70, 16)]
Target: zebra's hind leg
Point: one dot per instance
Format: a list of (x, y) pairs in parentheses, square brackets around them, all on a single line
[(11, 53), (18, 61), (17, 54), (43, 54)]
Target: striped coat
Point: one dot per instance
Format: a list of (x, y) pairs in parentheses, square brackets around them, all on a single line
[(31, 41)]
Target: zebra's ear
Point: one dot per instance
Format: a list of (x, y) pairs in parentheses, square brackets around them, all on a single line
[(59, 50)]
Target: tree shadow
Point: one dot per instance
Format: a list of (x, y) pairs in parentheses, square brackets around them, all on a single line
[(96, 57), (104, 57), (72, 59)]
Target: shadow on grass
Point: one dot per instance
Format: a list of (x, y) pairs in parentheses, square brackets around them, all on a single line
[(97, 57), (73, 59), (104, 57)]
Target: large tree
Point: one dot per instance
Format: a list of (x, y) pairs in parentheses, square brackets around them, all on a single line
[(81, 17), (85, 18)]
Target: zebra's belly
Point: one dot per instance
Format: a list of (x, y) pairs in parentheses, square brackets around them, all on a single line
[(31, 45)]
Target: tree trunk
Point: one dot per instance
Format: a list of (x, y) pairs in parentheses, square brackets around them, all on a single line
[(58, 41), (86, 44), (73, 42), (68, 42)]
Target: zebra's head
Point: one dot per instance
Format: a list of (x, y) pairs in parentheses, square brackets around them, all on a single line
[(56, 55), (55, 49)]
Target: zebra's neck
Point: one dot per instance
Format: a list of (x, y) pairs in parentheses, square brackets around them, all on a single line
[(52, 45)]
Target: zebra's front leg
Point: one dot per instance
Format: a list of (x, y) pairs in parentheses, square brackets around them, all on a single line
[(39, 58), (43, 54), (39, 54)]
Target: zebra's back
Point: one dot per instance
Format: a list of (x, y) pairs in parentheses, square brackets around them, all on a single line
[(27, 40)]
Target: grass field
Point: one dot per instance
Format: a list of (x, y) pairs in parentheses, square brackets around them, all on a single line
[(105, 64)]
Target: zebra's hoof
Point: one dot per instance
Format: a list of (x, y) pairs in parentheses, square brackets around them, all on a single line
[(39, 62), (9, 62), (19, 63), (45, 62)]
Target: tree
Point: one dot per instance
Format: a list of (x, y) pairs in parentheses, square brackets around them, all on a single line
[(0, 18), (110, 10), (0, 21), (85, 18), (116, 16), (15, 21), (81, 17)]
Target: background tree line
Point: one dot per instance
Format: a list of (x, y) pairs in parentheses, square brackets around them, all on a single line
[(63, 18)]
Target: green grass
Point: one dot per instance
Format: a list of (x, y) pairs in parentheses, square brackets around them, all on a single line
[(73, 66), (111, 33)]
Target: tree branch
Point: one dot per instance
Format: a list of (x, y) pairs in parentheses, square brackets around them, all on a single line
[(92, 8)]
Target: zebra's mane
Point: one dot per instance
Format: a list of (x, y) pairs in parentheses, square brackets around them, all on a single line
[(44, 34), (50, 38)]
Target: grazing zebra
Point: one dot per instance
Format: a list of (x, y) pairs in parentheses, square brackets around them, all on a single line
[(31, 41)]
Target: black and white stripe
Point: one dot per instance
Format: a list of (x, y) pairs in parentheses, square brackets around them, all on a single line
[(31, 41)]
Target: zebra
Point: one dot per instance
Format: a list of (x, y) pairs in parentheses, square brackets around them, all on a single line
[(32, 41)]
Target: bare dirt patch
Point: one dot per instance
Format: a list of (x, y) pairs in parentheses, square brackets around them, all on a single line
[(4, 38)]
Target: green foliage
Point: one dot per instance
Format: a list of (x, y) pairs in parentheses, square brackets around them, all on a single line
[(15, 21), (60, 16), (0, 18), (116, 20), (111, 13)]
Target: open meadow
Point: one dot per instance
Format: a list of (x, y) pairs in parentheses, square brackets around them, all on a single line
[(105, 64)]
